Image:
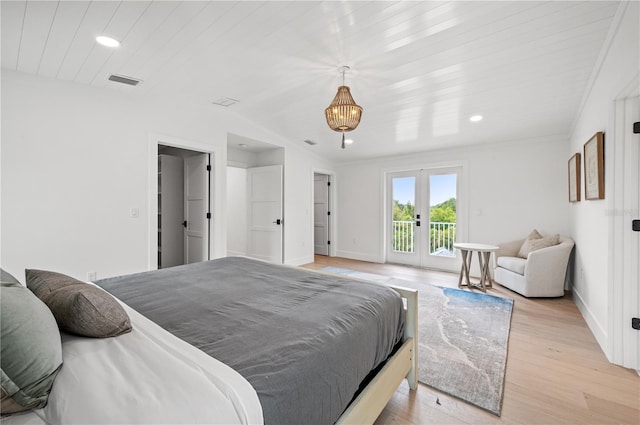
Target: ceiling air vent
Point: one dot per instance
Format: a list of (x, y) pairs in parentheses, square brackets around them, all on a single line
[(310, 142), (225, 101), (124, 80)]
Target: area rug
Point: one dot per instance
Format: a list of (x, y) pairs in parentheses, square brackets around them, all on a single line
[(463, 339)]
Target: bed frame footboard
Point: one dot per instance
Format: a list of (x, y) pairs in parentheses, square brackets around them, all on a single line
[(366, 408)]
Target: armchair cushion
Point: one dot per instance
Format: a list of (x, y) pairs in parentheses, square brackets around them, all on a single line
[(514, 264)]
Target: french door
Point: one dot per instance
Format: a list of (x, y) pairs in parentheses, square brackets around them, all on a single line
[(423, 218)]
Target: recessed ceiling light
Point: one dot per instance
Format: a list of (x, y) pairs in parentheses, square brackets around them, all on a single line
[(476, 118), (348, 141), (107, 41)]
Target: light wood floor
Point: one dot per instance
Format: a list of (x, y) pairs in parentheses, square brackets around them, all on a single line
[(556, 371)]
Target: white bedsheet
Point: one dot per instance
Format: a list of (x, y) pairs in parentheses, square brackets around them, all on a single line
[(145, 377)]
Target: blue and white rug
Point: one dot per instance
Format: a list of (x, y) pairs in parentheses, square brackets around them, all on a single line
[(463, 339)]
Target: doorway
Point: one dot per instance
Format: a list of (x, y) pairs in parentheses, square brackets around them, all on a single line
[(423, 220), (321, 213), (255, 199), (184, 181)]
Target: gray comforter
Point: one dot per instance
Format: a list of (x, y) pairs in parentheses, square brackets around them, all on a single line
[(304, 340)]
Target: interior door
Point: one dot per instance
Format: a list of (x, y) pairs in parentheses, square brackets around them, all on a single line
[(423, 218), (633, 241), (624, 248), (265, 220), (321, 214), (196, 208), (170, 211)]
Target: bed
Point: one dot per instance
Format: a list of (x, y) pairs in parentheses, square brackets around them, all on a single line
[(283, 345)]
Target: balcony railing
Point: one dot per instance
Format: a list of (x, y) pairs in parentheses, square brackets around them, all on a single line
[(441, 237)]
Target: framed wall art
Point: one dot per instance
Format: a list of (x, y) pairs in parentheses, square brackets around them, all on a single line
[(574, 178), (594, 167)]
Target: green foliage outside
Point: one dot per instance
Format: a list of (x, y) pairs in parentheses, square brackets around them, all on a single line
[(403, 212), (439, 236), (444, 212)]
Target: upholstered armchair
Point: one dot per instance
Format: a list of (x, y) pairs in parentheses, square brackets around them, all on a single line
[(534, 267)]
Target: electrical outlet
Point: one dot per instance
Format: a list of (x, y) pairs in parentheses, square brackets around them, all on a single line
[(91, 276)]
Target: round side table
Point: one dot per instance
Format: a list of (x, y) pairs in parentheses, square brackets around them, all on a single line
[(484, 255)]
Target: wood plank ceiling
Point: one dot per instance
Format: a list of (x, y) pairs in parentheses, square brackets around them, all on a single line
[(420, 69)]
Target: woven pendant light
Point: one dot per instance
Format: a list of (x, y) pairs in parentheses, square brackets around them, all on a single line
[(343, 114)]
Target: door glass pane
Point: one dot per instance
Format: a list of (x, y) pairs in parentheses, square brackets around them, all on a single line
[(404, 194), (442, 214)]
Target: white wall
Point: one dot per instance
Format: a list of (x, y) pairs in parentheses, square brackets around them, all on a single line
[(76, 159), (590, 219), (298, 216), (74, 162), (512, 188), (236, 211), (245, 159), (240, 158)]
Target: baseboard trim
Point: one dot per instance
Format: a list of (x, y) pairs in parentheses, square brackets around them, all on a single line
[(358, 256), (299, 261), (236, 254), (594, 325)]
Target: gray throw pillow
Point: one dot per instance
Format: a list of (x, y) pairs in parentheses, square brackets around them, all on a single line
[(31, 350), (7, 278), (78, 307)]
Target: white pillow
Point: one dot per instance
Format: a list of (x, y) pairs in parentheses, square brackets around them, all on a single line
[(531, 245), (524, 248)]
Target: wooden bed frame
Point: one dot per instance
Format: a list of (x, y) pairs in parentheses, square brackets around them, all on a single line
[(366, 408)]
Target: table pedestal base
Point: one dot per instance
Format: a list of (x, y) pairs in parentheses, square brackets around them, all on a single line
[(485, 276)]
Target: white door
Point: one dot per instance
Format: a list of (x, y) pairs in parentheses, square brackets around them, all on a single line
[(423, 217), (624, 246), (441, 217), (405, 220), (265, 218), (196, 208), (633, 238), (321, 213), (170, 211)]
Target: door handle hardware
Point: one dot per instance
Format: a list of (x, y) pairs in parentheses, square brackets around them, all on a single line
[(278, 222), (184, 224), (417, 223)]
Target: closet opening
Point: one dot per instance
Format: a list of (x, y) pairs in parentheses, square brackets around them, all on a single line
[(321, 213), (184, 206)]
